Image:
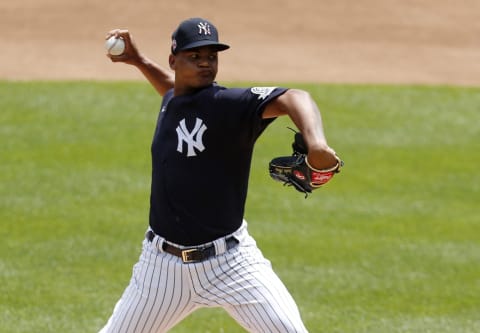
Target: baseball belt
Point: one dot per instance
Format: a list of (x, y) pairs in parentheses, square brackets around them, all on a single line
[(193, 254)]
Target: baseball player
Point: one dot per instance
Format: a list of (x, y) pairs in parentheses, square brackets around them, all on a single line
[(197, 251)]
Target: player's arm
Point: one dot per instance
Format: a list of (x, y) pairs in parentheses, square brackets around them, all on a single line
[(160, 78), (303, 111)]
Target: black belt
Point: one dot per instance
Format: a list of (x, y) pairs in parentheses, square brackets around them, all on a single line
[(193, 254)]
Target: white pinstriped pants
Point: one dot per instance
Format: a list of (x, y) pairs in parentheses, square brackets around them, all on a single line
[(163, 290)]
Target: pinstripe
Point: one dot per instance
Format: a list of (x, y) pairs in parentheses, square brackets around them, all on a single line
[(137, 298), (196, 281), (133, 295), (163, 291), (221, 297), (222, 276), (138, 313), (253, 289), (229, 271), (226, 270), (152, 307), (283, 297), (181, 300), (284, 309), (240, 298), (126, 301), (167, 313)]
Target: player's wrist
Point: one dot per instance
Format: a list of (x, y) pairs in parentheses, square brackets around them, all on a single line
[(321, 157), (327, 169)]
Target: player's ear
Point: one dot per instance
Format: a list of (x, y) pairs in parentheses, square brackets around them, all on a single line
[(171, 61)]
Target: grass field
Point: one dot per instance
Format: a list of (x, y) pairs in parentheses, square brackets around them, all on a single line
[(392, 244)]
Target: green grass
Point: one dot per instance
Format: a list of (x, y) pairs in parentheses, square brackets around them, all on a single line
[(392, 244)]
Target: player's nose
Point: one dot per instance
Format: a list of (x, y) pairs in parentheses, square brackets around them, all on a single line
[(204, 62)]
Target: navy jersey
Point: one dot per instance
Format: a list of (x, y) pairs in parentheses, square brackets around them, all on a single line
[(201, 155)]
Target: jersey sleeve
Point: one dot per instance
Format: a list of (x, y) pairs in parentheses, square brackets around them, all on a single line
[(263, 95), (251, 99), (246, 105)]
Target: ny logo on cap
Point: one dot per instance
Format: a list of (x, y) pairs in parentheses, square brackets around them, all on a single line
[(203, 28)]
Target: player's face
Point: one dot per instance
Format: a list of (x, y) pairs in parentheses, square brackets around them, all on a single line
[(195, 68)]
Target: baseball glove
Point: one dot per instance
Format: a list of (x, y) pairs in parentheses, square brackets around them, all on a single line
[(297, 172)]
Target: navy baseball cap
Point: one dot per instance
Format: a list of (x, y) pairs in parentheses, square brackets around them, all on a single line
[(195, 32)]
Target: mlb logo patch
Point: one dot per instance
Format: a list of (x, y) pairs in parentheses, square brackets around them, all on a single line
[(262, 92)]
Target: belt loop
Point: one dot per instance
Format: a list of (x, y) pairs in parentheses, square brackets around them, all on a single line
[(220, 246), (148, 233), (155, 240), (159, 243), (241, 232)]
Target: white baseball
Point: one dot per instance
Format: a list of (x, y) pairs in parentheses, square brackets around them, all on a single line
[(115, 46)]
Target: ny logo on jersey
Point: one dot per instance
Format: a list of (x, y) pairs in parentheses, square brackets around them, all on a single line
[(203, 28), (193, 139)]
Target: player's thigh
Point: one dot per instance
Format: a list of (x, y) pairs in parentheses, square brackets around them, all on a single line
[(137, 314), (155, 300), (262, 302)]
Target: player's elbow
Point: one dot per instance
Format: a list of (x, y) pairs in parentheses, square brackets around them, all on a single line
[(298, 94), (297, 99)]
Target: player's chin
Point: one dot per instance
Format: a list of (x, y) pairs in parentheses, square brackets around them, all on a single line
[(205, 80)]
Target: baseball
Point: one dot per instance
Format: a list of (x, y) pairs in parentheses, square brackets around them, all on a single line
[(115, 46)]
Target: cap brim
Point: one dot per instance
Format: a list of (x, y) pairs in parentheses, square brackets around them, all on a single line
[(218, 46)]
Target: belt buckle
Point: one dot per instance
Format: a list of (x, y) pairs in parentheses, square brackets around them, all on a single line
[(186, 256)]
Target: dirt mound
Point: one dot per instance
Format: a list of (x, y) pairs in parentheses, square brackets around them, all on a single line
[(374, 41)]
